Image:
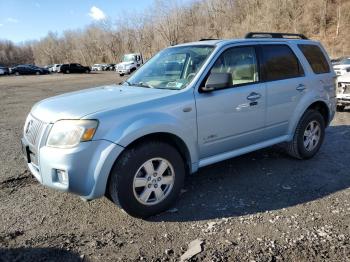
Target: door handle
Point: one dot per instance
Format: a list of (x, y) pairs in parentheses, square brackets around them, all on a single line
[(253, 96), (301, 87)]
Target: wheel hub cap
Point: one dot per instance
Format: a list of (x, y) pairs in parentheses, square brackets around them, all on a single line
[(312, 135), (153, 181)]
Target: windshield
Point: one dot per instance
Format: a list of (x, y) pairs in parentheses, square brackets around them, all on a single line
[(172, 68), (345, 61), (129, 58)]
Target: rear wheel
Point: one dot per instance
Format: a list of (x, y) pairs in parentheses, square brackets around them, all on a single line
[(17, 74), (308, 136), (67, 72), (147, 179), (37, 73)]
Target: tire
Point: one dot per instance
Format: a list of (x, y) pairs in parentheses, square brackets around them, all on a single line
[(121, 74), (340, 108), (37, 73), (131, 165), (87, 71), (17, 73), (67, 71), (296, 148)]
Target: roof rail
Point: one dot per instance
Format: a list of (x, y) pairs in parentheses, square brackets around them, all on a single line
[(208, 39), (274, 35)]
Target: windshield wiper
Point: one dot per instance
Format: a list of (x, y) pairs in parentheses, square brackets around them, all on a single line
[(126, 82), (142, 84)]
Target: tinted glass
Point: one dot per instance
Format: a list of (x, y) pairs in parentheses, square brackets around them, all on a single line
[(316, 58), (240, 62), (279, 62)]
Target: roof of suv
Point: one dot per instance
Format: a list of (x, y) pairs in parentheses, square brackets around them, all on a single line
[(222, 42)]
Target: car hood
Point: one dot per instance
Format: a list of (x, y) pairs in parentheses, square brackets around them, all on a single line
[(78, 104), (344, 78), (341, 66)]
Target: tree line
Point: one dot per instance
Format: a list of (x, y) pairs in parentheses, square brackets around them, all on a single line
[(172, 22)]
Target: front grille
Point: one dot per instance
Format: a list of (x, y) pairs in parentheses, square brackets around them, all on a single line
[(120, 67), (32, 130)]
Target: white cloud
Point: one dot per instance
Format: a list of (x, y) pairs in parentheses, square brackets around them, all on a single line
[(12, 20), (97, 14)]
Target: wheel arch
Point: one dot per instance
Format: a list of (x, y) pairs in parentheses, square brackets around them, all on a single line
[(318, 105), (322, 107), (168, 138), (165, 137)]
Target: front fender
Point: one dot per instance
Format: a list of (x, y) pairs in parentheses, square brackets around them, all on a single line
[(133, 128)]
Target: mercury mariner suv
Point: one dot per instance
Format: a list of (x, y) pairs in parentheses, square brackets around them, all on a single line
[(190, 106)]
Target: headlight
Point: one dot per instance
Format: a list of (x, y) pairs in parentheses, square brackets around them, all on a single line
[(69, 133)]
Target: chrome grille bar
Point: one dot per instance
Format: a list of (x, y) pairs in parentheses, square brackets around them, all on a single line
[(32, 130)]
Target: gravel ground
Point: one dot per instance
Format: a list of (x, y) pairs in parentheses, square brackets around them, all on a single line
[(263, 206)]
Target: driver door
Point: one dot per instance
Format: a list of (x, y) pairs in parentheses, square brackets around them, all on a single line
[(233, 117)]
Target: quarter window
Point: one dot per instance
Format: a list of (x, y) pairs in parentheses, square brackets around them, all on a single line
[(316, 58), (279, 62), (240, 62)]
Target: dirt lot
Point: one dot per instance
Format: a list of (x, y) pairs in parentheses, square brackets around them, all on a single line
[(262, 206)]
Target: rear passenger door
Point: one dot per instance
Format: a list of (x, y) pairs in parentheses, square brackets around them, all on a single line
[(285, 85)]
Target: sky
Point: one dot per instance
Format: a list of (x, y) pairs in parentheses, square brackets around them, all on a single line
[(24, 20)]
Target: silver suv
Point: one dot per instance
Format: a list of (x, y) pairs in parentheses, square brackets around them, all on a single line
[(190, 106)]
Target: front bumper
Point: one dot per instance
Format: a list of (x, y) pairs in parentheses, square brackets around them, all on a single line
[(343, 99), (123, 71), (87, 166)]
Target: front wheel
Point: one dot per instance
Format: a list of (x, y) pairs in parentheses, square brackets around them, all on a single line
[(308, 136), (147, 179)]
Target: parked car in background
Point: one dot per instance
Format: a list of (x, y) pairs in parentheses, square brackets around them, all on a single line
[(129, 64), (48, 67), (4, 70), (29, 70), (336, 61), (55, 68), (342, 67), (343, 91), (190, 106), (110, 67), (96, 67), (74, 68)]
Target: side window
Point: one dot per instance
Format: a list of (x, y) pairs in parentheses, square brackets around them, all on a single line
[(240, 62), (316, 58), (279, 62)]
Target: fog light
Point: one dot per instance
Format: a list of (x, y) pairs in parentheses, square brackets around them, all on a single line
[(62, 176)]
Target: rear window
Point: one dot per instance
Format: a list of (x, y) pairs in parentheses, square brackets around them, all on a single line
[(316, 58), (279, 62)]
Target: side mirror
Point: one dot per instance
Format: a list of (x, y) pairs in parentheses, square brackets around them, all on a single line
[(217, 81)]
